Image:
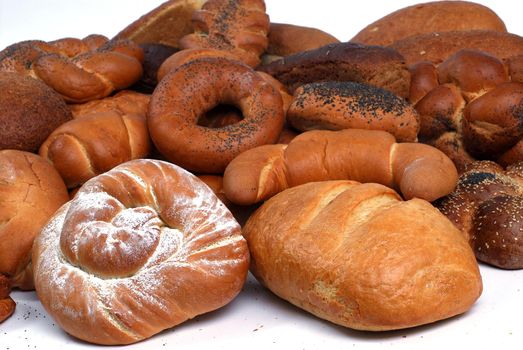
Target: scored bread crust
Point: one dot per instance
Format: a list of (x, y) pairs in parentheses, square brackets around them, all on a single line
[(355, 255)]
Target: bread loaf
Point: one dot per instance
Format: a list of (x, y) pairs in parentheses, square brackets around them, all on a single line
[(29, 112), (349, 105), (352, 254), (436, 16), (139, 249), (487, 207), (165, 24), (79, 70), (288, 39), (31, 191), (90, 145), (238, 26), (374, 65), (436, 47), (319, 155)]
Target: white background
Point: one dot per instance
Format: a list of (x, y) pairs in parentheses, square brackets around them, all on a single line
[(257, 319)]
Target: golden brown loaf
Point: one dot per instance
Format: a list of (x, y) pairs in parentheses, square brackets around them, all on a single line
[(288, 39), (437, 16), (436, 47), (165, 24), (80, 70), (30, 192), (417, 170), (348, 105), (238, 26), (29, 112), (95, 143), (487, 206), (139, 249), (123, 102), (350, 253), (198, 86), (374, 65)]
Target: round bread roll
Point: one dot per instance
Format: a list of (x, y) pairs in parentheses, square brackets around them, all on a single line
[(29, 112), (436, 16), (31, 190), (352, 254), (139, 249)]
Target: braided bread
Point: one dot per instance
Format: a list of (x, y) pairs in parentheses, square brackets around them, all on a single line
[(80, 70), (85, 147), (487, 207), (361, 155), (239, 26), (472, 95), (139, 249), (355, 255)]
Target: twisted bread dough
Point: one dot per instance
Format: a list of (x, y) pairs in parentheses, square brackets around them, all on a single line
[(139, 249), (238, 26), (417, 170), (80, 70)]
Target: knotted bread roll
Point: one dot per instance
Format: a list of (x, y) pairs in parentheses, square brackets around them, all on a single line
[(139, 249)]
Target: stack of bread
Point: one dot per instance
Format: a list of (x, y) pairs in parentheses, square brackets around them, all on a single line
[(204, 140)]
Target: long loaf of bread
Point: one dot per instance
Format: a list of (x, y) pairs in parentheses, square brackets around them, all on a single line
[(417, 170), (352, 254)]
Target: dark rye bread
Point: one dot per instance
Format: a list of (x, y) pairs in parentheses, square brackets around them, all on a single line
[(348, 105), (436, 16), (436, 47), (374, 65), (29, 112)]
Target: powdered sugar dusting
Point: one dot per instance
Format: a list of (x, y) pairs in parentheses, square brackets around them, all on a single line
[(206, 228)]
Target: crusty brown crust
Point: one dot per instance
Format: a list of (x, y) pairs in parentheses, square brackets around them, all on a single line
[(349, 105), (95, 143), (436, 47), (350, 154), (375, 65), (487, 207), (352, 254), (436, 16), (237, 26), (32, 190), (288, 39), (79, 69), (29, 112), (164, 25)]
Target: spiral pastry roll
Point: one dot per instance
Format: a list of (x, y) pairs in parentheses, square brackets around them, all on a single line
[(141, 248)]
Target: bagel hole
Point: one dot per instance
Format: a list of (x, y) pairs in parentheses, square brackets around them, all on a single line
[(220, 116)]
